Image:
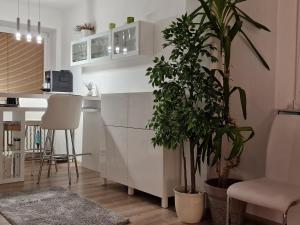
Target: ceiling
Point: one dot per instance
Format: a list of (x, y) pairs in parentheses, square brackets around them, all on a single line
[(58, 3)]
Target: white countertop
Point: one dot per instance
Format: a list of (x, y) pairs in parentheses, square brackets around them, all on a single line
[(39, 109), (42, 95)]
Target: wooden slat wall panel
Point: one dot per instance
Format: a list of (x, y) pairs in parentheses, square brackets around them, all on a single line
[(21, 65), (3, 62)]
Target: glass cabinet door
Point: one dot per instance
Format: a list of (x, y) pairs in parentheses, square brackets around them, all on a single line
[(125, 41), (101, 46), (79, 51)]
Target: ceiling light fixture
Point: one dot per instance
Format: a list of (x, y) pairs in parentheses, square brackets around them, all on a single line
[(39, 38), (18, 34), (28, 36)]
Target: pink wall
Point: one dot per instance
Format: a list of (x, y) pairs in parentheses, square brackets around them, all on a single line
[(266, 90), (286, 52)]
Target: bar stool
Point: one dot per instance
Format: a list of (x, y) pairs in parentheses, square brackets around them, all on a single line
[(37, 140), (63, 113)]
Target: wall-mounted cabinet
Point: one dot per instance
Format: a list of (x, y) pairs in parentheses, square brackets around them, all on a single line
[(135, 39), (80, 52), (100, 47)]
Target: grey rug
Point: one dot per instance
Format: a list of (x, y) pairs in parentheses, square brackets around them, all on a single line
[(55, 207)]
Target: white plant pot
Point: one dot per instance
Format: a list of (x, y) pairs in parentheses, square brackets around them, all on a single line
[(86, 33), (189, 207)]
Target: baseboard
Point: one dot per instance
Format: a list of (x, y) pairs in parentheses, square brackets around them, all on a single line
[(260, 220)]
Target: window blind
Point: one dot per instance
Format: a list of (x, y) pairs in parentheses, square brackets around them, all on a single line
[(21, 65)]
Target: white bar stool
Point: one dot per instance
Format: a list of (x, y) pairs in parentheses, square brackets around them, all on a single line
[(63, 113)]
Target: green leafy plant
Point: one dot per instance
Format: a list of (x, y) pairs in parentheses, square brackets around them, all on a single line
[(192, 101), (225, 21), (188, 98)]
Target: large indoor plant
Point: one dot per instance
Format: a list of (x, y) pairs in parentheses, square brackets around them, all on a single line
[(225, 22), (182, 87)]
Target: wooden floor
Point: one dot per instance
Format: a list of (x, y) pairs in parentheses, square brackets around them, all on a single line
[(141, 209)]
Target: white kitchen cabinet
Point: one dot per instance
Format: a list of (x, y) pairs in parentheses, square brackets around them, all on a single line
[(135, 39), (80, 52), (116, 140), (100, 47), (114, 109), (140, 109), (131, 158)]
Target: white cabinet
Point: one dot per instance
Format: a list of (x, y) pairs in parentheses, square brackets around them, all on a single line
[(116, 140), (145, 164), (135, 39), (114, 109), (140, 108), (131, 158), (80, 51), (100, 47)]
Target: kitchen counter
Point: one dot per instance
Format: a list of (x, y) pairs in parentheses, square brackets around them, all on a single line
[(32, 106), (43, 96)]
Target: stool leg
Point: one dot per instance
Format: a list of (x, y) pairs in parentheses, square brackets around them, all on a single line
[(33, 152), (51, 153), (74, 152), (68, 156), (41, 164)]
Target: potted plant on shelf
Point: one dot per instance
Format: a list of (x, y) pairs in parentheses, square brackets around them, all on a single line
[(185, 95), (224, 21), (85, 29)]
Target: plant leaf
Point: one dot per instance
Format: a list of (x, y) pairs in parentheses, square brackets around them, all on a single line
[(250, 20), (263, 61), (243, 99)]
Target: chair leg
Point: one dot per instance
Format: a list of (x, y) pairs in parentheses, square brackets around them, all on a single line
[(74, 152), (228, 211), (284, 222), (68, 156), (51, 153)]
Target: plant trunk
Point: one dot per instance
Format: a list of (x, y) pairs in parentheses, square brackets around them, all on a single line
[(226, 97), (192, 161), (184, 169)]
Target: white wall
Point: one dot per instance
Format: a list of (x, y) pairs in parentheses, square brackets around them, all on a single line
[(127, 78), (286, 52)]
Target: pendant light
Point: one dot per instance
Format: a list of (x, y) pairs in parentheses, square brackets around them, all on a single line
[(39, 38), (28, 36), (18, 34)]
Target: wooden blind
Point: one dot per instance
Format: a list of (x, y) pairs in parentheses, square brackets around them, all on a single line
[(21, 65)]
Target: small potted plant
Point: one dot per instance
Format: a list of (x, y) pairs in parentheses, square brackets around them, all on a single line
[(86, 29), (182, 87)]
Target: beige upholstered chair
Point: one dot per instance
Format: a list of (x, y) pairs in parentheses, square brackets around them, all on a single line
[(63, 113), (280, 188)]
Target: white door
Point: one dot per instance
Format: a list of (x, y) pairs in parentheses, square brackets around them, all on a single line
[(145, 164), (116, 167)]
